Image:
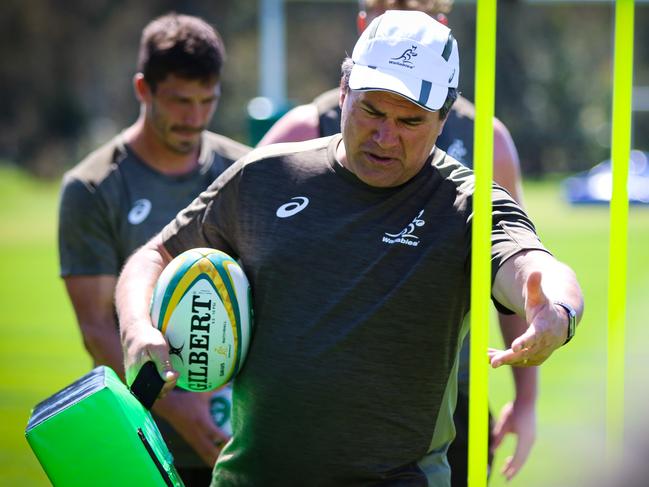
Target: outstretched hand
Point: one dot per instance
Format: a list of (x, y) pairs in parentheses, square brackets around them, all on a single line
[(547, 330)]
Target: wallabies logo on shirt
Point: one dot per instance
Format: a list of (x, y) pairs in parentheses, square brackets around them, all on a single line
[(407, 235)]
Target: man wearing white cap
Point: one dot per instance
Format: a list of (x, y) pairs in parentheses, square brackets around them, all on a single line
[(358, 249), (321, 118)]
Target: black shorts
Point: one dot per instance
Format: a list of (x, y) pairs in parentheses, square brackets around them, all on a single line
[(458, 450)]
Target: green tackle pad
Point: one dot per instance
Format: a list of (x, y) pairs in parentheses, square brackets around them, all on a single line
[(96, 432)]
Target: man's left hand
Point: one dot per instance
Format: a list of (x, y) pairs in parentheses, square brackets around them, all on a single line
[(548, 326)]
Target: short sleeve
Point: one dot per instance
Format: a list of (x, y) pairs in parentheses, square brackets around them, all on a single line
[(210, 220), (86, 243), (512, 232)]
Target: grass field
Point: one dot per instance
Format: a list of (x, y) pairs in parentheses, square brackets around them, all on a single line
[(42, 352)]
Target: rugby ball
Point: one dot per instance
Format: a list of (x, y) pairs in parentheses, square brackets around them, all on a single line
[(202, 305)]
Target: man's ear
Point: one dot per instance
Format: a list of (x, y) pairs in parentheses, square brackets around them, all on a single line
[(341, 95), (142, 89)]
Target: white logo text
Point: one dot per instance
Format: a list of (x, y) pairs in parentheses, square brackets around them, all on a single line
[(292, 208)]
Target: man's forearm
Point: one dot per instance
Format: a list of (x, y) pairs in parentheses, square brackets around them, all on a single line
[(104, 345), (559, 281), (135, 286), (140, 340)]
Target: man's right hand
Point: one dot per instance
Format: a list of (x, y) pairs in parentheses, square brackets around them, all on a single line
[(189, 414), (143, 343)]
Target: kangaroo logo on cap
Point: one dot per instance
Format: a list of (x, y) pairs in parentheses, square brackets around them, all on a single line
[(405, 58)]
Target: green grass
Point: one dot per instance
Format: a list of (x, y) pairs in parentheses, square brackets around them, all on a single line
[(571, 410), (42, 352), (40, 346)]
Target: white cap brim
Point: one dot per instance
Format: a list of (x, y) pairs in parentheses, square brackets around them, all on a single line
[(427, 95)]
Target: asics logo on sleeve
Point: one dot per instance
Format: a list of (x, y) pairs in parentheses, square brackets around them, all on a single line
[(295, 206), (139, 212)]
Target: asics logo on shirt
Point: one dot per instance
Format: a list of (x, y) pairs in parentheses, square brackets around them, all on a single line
[(407, 235), (139, 212), (296, 205)]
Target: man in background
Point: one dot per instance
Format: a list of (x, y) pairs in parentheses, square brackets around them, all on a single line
[(122, 194), (322, 118)]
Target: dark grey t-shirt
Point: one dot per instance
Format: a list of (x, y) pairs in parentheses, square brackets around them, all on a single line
[(456, 140), (359, 295), (112, 203)]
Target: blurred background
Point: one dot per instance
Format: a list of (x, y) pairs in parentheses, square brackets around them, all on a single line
[(66, 77), (67, 67)]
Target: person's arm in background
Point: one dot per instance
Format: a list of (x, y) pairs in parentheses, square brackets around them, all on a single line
[(92, 300), (87, 255), (89, 266), (507, 167), (298, 124), (518, 416)]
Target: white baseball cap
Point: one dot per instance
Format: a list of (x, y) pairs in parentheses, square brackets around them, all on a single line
[(408, 53)]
